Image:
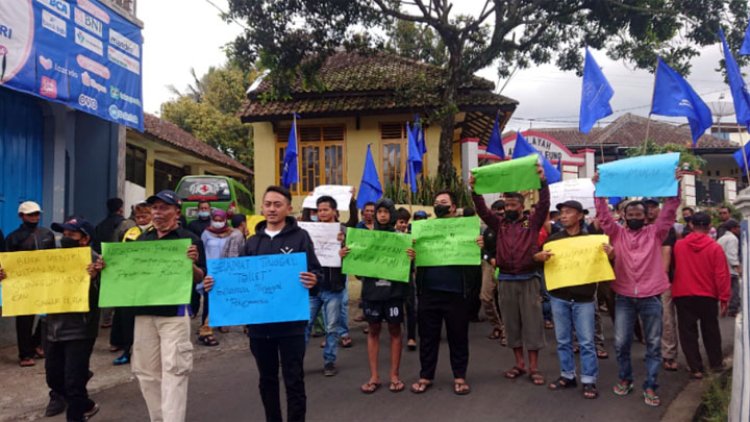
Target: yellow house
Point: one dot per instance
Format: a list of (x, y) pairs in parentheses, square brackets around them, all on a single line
[(160, 156), (363, 100)]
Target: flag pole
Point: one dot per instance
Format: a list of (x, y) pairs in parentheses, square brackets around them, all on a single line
[(296, 141), (744, 154)]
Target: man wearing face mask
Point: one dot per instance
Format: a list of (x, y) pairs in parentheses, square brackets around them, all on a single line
[(520, 283), (29, 237), (442, 296), (200, 224), (640, 280), (71, 336)]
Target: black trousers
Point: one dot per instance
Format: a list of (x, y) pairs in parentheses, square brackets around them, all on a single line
[(67, 367), (291, 350), (195, 302), (434, 308), (690, 311), (123, 326), (411, 315), (204, 315), (28, 337)]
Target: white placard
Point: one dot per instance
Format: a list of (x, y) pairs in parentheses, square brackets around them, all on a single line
[(581, 190), (325, 238), (342, 194)]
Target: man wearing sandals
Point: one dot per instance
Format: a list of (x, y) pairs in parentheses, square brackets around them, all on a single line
[(640, 280), (520, 284), (702, 281), (573, 308), (442, 296), (383, 300)]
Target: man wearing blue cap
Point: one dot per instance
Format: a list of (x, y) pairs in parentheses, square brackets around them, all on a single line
[(162, 350), (71, 336)]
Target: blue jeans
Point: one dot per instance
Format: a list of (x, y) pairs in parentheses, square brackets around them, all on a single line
[(579, 316), (344, 315), (330, 303), (627, 310)]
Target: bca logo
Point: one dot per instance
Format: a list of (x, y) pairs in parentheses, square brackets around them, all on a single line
[(16, 21)]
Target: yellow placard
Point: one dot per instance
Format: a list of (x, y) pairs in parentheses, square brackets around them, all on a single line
[(577, 260), (46, 282), (252, 221)]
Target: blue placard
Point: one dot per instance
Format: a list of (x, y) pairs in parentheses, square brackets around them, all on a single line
[(651, 175), (258, 290), (77, 52)]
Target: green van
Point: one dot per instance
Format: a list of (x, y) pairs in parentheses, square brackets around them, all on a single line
[(223, 192)]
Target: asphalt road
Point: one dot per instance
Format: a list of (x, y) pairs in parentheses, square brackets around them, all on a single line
[(224, 388)]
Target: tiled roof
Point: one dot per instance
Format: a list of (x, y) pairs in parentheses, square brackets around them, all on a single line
[(172, 134), (375, 83), (629, 130)]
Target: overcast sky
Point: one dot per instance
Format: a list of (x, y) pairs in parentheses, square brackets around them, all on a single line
[(180, 34)]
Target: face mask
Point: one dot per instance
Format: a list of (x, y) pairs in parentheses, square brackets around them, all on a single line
[(512, 215), (688, 219), (442, 210), (634, 224), (144, 227), (204, 214), (30, 225), (67, 242), (314, 218), (218, 224)]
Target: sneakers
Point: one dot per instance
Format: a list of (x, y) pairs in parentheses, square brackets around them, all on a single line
[(329, 369), (91, 412), (56, 405)]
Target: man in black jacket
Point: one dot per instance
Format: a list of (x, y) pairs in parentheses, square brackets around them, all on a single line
[(442, 296), (71, 336), (280, 234), (29, 237)]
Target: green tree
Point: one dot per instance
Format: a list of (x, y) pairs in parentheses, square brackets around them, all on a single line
[(208, 109), (293, 37), (688, 160)]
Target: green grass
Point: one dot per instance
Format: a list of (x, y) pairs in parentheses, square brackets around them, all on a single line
[(715, 403)]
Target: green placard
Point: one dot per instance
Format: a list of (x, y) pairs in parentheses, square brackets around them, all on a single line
[(447, 241), (378, 254), (507, 176), (146, 273)]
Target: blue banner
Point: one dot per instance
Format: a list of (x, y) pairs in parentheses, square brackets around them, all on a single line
[(648, 175), (258, 290), (79, 53)]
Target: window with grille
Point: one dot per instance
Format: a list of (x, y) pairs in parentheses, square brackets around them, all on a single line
[(395, 152), (135, 165), (321, 156)]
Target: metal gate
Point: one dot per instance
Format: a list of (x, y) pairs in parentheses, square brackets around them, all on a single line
[(21, 138)]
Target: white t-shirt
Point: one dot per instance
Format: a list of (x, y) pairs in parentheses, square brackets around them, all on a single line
[(272, 233)]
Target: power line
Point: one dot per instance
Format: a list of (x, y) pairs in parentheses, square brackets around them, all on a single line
[(225, 14)]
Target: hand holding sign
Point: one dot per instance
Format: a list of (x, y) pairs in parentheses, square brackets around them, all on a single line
[(508, 176)]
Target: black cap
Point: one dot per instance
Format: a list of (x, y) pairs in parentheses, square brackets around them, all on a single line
[(420, 215), (167, 196), (572, 204), (75, 224), (653, 201), (731, 224), (701, 219)]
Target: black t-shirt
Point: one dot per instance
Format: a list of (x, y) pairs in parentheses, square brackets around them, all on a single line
[(444, 279), (178, 233), (671, 238), (582, 293)]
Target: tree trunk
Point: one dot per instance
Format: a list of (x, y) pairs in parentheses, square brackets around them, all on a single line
[(446, 171)]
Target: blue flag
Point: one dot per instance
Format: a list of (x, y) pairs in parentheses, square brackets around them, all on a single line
[(595, 95), (741, 160), (559, 166), (524, 148), (290, 174), (737, 85), (673, 96), (370, 189), (614, 200), (745, 49), (413, 159), (495, 143), (418, 129)]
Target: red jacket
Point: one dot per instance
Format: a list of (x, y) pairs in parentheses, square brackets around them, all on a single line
[(517, 242), (700, 268)]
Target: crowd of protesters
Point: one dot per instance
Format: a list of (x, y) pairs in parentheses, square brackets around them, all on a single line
[(673, 280)]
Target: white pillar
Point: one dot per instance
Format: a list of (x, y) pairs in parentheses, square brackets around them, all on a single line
[(739, 406), (469, 156), (730, 189), (589, 164), (688, 189)]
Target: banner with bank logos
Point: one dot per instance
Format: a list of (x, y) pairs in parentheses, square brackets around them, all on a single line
[(76, 52)]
